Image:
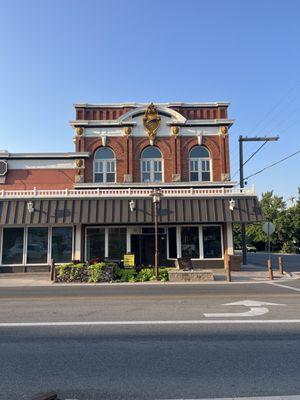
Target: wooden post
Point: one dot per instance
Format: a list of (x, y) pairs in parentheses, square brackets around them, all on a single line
[(270, 270), (52, 271), (228, 271), (280, 265), (226, 255)]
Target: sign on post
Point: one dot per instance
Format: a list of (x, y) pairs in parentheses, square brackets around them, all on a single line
[(128, 260), (269, 229)]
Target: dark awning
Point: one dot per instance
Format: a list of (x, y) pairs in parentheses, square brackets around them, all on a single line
[(117, 211)]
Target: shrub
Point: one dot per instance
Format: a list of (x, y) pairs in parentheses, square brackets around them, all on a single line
[(70, 272), (288, 247), (145, 274), (164, 274), (95, 271), (128, 275)]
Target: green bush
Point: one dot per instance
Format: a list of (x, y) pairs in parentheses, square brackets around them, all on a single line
[(128, 275), (95, 271), (70, 272), (146, 274), (163, 274), (288, 247)]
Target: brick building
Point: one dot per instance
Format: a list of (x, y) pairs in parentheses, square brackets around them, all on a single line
[(96, 202)]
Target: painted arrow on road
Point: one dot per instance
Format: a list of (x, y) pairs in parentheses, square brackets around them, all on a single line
[(256, 309)]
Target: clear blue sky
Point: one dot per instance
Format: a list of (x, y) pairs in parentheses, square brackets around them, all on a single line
[(55, 53)]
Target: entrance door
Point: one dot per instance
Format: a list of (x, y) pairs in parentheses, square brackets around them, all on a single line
[(143, 247)]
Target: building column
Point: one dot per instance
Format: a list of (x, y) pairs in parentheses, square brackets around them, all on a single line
[(77, 243), (178, 241)]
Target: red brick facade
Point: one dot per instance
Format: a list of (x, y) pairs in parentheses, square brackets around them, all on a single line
[(128, 148)]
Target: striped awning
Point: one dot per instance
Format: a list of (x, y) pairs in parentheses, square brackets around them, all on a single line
[(117, 211)]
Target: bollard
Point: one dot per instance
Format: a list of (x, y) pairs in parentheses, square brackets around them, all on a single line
[(280, 265), (52, 270), (270, 270), (228, 271)]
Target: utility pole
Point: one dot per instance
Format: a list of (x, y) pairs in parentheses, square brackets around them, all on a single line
[(241, 140)]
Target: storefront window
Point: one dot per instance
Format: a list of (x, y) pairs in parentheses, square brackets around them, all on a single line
[(95, 243), (172, 243), (62, 244), (116, 243), (190, 242), (212, 245), (37, 245), (13, 244)]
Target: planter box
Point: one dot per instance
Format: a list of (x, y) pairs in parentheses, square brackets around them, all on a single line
[(191, 276)]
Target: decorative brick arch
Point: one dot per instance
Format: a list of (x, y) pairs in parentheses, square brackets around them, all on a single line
[(112, 144), (160, 143)]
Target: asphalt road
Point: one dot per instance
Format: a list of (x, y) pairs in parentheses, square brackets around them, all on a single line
[(160, 358), (291, 262)]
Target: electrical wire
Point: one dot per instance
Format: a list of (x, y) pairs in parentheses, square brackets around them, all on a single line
[(272, 165), (252, 155)]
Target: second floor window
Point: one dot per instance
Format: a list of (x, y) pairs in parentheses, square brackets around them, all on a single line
[(200, 164), (151, 165), (104, 165)]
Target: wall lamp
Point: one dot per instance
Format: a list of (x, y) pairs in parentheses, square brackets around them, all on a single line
[(132, 205), (231, 204), (30, 206)]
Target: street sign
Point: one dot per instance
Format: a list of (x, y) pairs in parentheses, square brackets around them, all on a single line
[(268, 228), (128, 260)]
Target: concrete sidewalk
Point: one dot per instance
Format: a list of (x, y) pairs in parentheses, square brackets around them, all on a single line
[(249, 274)]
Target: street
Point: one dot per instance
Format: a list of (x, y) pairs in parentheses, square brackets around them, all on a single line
[(150, 342), (291, 262)]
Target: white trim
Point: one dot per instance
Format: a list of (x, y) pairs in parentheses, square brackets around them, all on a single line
[(128, 239), (77, 237), (152, 171), (229, 238), (178, 239), (127, 192), (106, 252)]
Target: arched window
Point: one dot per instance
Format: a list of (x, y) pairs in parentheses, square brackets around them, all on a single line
[(104, 165), (151, 164), (200, 164)]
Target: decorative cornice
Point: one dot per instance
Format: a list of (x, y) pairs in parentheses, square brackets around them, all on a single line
[(135, 105)]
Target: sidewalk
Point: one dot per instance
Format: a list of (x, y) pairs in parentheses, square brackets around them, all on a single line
[(249, 274)]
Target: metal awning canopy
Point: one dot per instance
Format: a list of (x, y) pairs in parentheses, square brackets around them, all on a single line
[(117, 211)]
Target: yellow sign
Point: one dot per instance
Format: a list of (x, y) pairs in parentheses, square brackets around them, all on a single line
[(128, 260)]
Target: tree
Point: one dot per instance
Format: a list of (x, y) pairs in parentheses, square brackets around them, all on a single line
[(286, 220)]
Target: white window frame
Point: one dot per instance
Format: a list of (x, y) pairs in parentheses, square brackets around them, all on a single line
[(199, 170), (152, 171), (105, 162)]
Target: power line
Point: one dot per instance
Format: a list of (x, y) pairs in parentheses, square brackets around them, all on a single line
[(252, 155), (272, 165)]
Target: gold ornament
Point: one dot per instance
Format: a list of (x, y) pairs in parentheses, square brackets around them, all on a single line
[(175, 130), (127, 130), (79, 131), (151, 121), (79, 163), (224, 130)]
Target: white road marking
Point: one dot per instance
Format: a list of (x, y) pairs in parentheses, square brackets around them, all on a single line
[(256, 309), (284, 286), (296, 397), (167, 322)]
